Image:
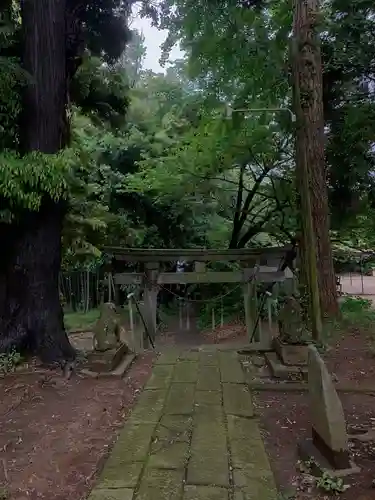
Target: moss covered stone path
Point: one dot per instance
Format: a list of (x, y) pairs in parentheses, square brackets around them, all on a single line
[(191, 436)]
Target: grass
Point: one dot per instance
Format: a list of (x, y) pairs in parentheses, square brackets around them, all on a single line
[(85, 321), (356, 314), (79, 320), (357, 310)]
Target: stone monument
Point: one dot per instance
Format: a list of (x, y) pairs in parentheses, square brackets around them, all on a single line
[(106, 330), (109, 350), (289, 360), (291, 344), (328, 447)]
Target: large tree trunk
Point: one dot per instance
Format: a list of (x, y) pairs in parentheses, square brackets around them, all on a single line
[(310, 137), (30, 311), (31, 317)]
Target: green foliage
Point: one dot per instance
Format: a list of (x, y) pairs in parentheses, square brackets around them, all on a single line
[(356, 312), (241, 56), (355, 305), (331, 484), (154, 161), (8, 362), (349, 55), (4, 493), (324, 480), (24, 181), (101, 92), (105, 27), (12, 78)]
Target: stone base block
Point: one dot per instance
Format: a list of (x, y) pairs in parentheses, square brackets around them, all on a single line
[(107, 361), (291, 355), (284, 372), (96, 370), (309, 453), (256, 347)]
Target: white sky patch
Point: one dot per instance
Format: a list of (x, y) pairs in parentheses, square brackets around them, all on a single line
[(153, 40)]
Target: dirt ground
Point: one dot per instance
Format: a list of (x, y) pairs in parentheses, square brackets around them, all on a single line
[(285, 420), (56, 433)]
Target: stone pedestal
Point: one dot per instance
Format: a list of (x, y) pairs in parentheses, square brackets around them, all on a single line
[(288, 361), (291, 354), (282, 371), (107, 361), (328, 449)]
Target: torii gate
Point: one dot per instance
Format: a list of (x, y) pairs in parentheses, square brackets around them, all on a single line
[(261, 265)]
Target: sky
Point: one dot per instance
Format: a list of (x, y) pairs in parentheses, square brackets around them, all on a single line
[(153, 39)]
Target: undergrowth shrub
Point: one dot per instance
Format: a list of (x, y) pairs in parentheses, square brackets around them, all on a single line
[(8, 362)]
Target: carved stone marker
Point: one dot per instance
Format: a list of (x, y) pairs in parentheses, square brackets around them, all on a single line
[(292, 329), (289, 361), (329, 437), (110, 351), (106, 330)]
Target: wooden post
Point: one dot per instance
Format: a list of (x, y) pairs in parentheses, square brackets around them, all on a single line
[(254, 310), (251, 308), (248, 290), (180, 305), (188, 316), (199, 267), (109, 281), (143, 340), (150, 297), (135, 343), (269, 308)]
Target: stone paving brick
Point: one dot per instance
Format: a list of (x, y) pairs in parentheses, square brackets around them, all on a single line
[(174, 427), (161, 377), (119, 494), (208, 359), (159, 484), (180, 400), (230, 368), (168, 357), (186, 371), (169, 455), (210, 413), (239, 495), (208, 464), (133, 443), (209, 378), (237, 400), (151, 457), (149, 406), (117, 474), (249, 453), (208, 398), (241, 428), (189, 356), (205, 493)]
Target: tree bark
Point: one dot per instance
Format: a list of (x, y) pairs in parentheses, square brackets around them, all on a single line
[(31, 316), (310, 138)]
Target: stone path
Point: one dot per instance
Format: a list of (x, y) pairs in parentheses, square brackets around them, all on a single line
[(191, 436)]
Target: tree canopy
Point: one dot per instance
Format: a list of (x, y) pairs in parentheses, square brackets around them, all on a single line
[(156, 160)]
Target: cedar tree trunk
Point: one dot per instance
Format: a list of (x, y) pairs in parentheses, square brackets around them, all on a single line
[(31, 316), (310, 136)]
